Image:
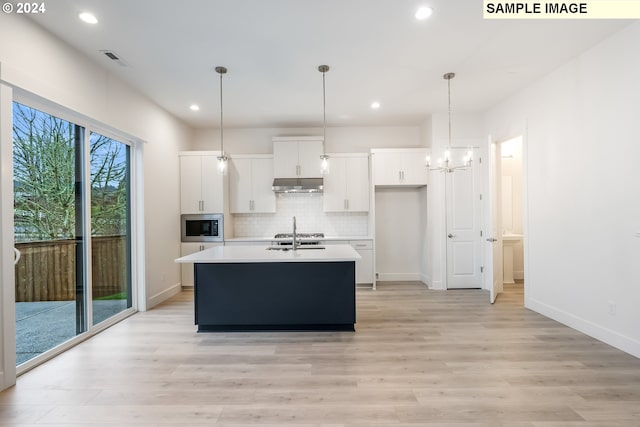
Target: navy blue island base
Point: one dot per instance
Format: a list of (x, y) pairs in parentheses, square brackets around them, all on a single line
[(275, 296)]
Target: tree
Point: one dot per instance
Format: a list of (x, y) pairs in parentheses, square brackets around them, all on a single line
[(44, 151)]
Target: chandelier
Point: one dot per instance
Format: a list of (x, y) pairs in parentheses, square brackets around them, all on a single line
[(444, 164)]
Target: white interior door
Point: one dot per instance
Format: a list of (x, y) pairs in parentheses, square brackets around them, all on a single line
[(493, 249), (463, 230)]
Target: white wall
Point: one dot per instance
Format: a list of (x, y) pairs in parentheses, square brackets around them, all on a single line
[(35, 63), (582, 214), (339, 139), (400, 230)]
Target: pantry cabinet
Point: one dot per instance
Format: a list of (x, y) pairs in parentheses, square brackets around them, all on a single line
[(297, 157), (400, 167), (346, 188), (250, 180), (201, 187)]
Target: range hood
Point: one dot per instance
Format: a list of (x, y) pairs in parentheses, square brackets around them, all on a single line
[(298, 185)]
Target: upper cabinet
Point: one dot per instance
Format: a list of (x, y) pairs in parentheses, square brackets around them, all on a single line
[(250, 179), (201, 187), (297, 157), (346, 188), (400, 167)]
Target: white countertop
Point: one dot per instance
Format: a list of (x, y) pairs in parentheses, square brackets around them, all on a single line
[(260, 253), (268, 240)]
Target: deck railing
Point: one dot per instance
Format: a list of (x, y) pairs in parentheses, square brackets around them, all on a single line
[(47, 269)]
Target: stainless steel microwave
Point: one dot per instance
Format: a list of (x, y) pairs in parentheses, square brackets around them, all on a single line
[(202, 228)]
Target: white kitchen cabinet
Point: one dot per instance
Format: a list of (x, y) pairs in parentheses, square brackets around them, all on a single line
[(188, 249), (400, 167), (250, 180), (201, 187), (346, 188), (365, 265), (297, 157)]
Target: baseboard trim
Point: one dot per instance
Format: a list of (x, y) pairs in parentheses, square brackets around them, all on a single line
[(164, 295), (424, 278), (606, 335), (437, 285), (518, 275), (398, 277)]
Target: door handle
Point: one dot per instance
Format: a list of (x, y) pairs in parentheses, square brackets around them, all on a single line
[(16, 256), (451, 236), (491, 239)]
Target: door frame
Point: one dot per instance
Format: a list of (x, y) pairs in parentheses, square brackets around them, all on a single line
[(7, 279)]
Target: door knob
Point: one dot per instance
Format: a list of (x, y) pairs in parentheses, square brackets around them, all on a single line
[(491, 239), (451, 236), (16, 256)]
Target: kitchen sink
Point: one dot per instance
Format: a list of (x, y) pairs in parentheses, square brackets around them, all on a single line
[(299, 248)]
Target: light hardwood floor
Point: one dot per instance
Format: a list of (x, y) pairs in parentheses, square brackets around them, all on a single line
[(418, 358)]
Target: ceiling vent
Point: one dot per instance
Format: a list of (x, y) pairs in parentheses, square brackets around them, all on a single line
[(114, 57)]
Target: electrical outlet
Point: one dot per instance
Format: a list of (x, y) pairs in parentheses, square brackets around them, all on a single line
[(612, 308)]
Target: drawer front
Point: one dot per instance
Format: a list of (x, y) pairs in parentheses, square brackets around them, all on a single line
[(361, 244)]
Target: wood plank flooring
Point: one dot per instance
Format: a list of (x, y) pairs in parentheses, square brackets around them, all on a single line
[(418, 358)]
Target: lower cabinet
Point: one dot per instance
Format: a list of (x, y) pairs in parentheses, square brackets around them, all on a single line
[(188, 249), (364, 266)]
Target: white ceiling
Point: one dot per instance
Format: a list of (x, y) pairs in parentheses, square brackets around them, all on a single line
[(376, 49)]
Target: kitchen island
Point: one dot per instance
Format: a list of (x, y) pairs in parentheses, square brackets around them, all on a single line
[(252, 288)]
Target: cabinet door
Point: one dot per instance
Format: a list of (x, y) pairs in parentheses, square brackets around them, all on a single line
[(264, 199), (414, 171), (187, 269), (285, 159), (364, 266), (335, 184), (309, 153), (212, 185), (189, 248), (240, 186), (190, 184), (387, 167), (357, 184)]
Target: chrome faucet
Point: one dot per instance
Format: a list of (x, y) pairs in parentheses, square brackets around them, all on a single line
[(294, 246)]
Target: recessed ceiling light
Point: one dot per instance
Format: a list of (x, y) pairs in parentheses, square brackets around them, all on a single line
[(423, 13), (89, 18), (194, 107), (375, 105)]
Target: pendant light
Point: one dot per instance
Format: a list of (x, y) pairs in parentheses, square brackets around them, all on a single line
[(222, 158), (444, 164), (324, 158)]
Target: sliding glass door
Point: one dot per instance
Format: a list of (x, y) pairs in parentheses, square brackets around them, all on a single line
[(110, 226), (72, 198)]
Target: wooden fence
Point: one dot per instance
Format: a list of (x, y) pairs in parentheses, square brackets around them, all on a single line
[(47, 270)]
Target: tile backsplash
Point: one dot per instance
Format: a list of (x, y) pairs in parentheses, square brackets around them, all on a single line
[(310, 217)]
